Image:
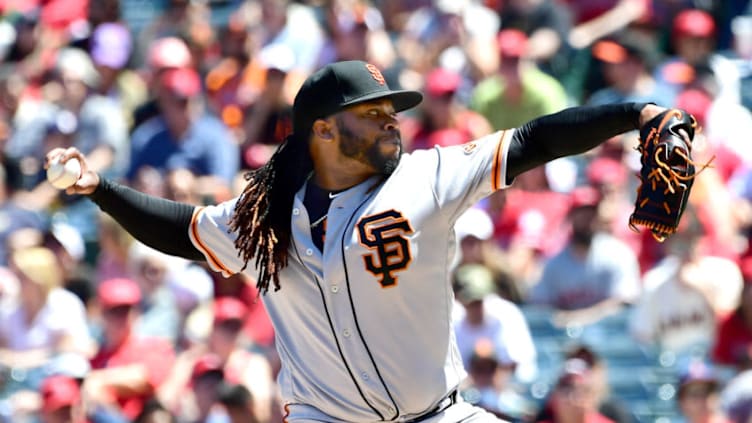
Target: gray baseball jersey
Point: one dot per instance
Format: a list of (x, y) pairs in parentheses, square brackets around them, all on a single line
[(364, 329)]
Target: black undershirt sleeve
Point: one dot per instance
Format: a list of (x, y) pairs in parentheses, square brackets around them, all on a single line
[(157, 222), (571, 131)]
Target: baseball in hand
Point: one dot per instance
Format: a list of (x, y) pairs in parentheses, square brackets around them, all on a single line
[(63, 175)]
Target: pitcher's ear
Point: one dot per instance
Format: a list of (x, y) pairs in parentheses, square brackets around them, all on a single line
[(323, 130)]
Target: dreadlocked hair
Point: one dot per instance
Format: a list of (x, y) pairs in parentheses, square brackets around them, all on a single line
[(262, 213)]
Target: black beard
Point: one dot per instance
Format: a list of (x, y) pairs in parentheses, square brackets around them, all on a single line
[(356, 147)]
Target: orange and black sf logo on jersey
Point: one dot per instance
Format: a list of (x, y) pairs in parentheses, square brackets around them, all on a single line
[(385, 235)]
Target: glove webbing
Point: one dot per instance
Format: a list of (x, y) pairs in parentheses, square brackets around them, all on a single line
[(674, 180)]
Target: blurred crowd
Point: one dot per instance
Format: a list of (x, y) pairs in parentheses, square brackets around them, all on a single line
[(180, 98)]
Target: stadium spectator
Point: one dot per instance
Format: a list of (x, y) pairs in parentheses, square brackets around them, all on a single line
[(490, 382), (547, 25), (46, 319), (356, 32), (481, 314), (698, 394), (110, 47), (594, 275), (114, 244), (269, 117), (607, 405), (574, 398), (695, 63), (519, 90), (164, 53), (157, 309), (207, 378), (627, 60), (13, 216), (685, 294), (443, 119), (127, 370), (182, 136)]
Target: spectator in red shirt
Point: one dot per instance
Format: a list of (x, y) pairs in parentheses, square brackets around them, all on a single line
[(444, 120), (126, 370), (735, 331)]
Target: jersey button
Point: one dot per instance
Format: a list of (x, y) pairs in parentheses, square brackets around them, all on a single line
[(296, 211), (309, 252), (335, 289), (346, 333), (364, 375)]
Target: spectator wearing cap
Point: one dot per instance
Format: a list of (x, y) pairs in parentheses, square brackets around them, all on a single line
[(627, 60), (734, 342), (594, 275), (183, 135), (574, 398), (490, 382), (127, 370), (519, 91), (443, 119), (46, 319), (110, 47), (698, 394), (695, 61), (480, 313), (61, 400), (163, 54), (207, 378), (685, 293), (546, 24), (608, 405), (238, 362)]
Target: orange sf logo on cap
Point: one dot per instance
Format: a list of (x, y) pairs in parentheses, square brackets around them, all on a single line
[(376, 74)]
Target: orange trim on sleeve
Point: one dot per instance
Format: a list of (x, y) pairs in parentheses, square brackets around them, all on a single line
[(496, 167), (210, 257)]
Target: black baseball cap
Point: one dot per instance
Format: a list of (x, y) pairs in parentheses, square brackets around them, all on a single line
[(341, 84)]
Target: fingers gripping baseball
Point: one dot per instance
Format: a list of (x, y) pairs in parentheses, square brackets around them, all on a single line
[(86, 181), (667, 172)]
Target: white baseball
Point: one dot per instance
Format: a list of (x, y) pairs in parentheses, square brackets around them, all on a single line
[(63, 175)]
